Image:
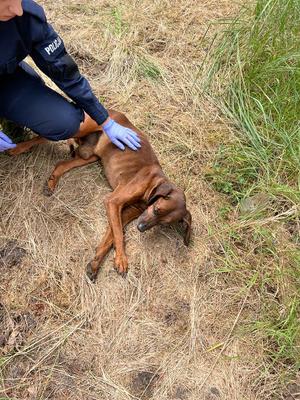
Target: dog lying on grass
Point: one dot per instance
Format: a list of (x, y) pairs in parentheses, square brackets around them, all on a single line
[(140, 190)]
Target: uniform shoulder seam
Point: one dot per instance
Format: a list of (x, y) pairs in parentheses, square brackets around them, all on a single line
[(31, 7)]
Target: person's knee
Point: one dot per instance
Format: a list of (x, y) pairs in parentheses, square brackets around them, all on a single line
[(64, 126), (67, 130)]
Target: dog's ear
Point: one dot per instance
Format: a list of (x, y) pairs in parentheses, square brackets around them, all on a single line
[(187, 226), (162, 190)]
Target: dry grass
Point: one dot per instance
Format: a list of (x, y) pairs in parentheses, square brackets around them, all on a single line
[(174, 328)]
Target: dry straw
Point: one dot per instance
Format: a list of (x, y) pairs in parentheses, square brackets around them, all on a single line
[(147, 336)]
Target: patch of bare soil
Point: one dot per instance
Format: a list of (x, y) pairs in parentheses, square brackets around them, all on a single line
[(143, 384), (11, 255), (15, 329)]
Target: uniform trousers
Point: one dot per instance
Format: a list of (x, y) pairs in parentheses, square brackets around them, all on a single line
[(26, 100)]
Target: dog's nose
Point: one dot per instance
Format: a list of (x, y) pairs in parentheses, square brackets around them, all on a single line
[(142, 227)]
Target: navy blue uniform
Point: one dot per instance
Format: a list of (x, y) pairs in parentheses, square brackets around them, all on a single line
[(24, 98)]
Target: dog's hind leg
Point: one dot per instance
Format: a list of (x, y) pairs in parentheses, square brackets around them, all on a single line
[(62, 167), (128, 214)]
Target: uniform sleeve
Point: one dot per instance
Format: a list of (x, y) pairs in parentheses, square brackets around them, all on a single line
[(50, 55)]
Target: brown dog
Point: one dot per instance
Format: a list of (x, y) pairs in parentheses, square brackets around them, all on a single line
[(140, 190)]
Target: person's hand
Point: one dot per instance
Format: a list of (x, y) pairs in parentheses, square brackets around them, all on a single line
[(119, 135), (5, 142)]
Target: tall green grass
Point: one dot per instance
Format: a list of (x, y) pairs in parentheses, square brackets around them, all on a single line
[(259, 55), (254, 77)]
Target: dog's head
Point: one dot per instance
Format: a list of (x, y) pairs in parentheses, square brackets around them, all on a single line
[(166, 205)]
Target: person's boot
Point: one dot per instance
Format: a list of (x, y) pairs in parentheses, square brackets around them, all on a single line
[(16, 132)]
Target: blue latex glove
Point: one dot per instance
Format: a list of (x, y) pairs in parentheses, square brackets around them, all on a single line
[(5, 142), (118, 134)]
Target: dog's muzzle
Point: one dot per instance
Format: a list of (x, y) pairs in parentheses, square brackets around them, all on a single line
[(142, 227)]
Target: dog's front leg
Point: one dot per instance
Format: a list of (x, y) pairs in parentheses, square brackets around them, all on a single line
[(114, 203), (128, 214), (24, 147)]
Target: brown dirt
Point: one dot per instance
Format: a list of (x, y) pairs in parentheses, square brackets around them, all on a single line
[(11, 254)]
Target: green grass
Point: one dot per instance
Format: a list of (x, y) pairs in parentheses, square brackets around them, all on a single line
[(260, 55), (120, 27), (283, 333), (254, 77), (148, 69)]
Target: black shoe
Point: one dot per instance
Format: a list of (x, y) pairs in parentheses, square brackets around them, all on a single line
[(16, 132)]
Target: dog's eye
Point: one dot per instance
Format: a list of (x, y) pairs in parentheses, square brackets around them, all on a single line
[(155, 211)]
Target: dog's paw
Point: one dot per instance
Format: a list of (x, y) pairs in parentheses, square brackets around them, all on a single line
[(47, 191), (121, 265), (17, 151), (91, 274)]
